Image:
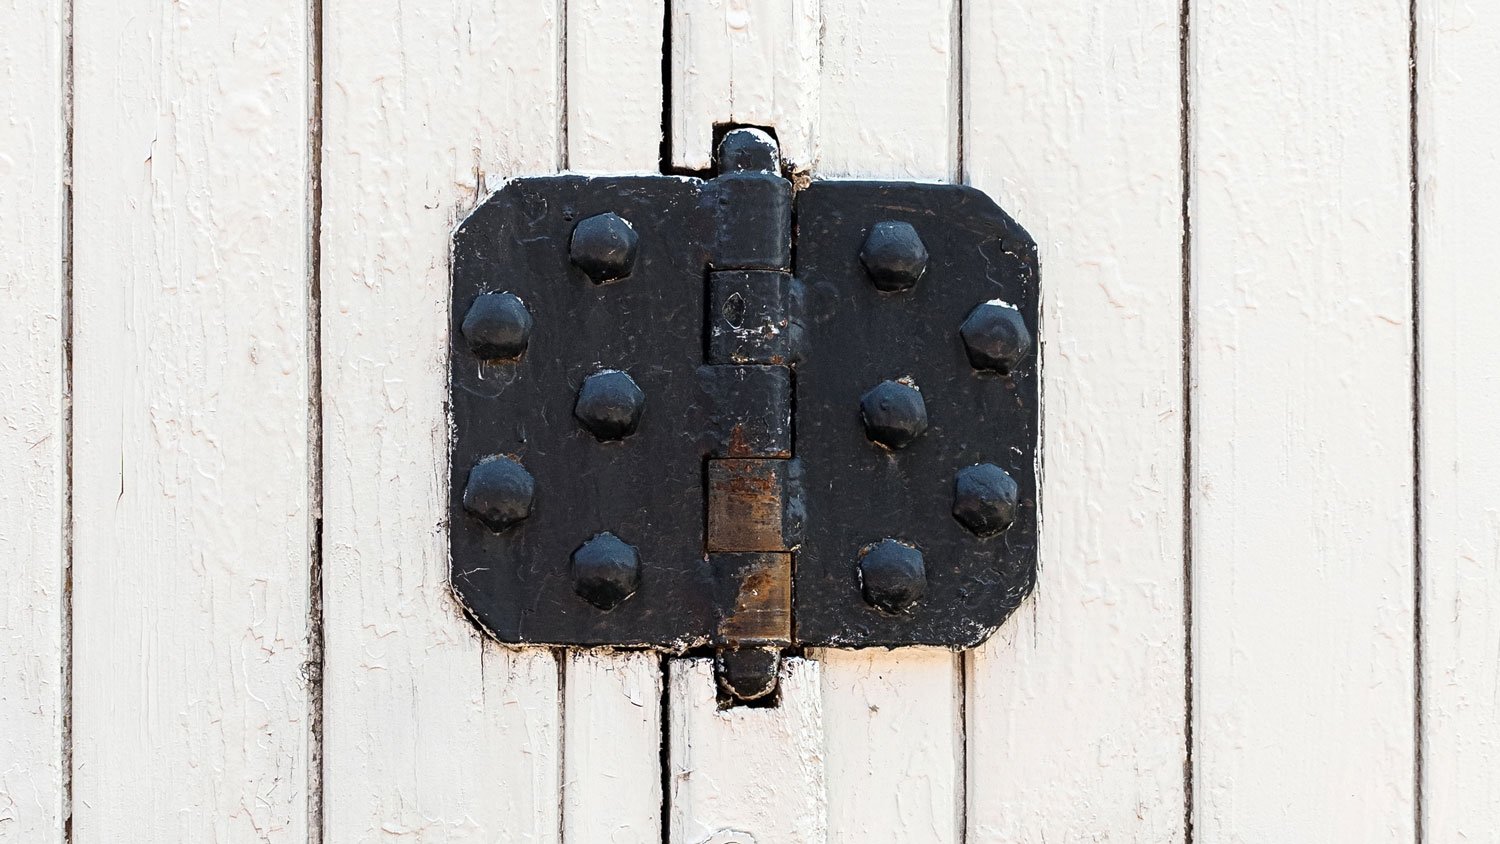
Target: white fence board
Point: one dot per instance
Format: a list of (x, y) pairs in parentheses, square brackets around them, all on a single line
[(1302, 433), (33, 438), (746, 775), (1077, 706), (429, 733), (612, 747), (1458, 76), (614, 79), (895, 752), (191, 514), (888, 92), (748, 62)]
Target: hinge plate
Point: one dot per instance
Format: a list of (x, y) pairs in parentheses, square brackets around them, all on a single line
[(670, 431)]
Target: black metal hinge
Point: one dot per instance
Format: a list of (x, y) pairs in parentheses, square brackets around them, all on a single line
[(672, 432)]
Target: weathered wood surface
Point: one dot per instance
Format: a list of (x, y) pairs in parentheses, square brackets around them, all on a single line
[(1302, 439), (1458, 88), (227, 245), (192, 519), (1083, 689), (33, 430), (429, 733)]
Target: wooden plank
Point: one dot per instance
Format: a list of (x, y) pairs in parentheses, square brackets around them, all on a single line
[(892, 722), (33, 434), (748, 62), (612, 745), (889, 89), (1458, 90), (612, 729), (1302, 423), (191, 500), (614, 53), (888, 110), (1076, 715), (746, 774), (429, 733)]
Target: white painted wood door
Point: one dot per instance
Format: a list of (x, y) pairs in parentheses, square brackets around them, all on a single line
[(1268, 606)]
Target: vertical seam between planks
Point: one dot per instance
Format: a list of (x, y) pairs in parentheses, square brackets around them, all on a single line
[(562, 657), (562, 96), (316, 650), (962, 658), (1418, 561), (65, 692), (958, 72), (665, 823), (1185, 114)]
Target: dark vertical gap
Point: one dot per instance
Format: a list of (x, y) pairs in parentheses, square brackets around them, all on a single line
[(66, 657), (1185, 151), (1418, 562), (960, 73), (665, 714), (316, 654), (665, 154), (560, 655), (666, 750), (562, 84), (963, 746)]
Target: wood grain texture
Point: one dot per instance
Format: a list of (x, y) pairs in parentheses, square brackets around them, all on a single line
[(888, 92), (430, 733), (1076, 707), (895, 754), (888, 110), (746, 775), (748, 62), (191, 517), (1458, 75), (1302, 422), (614, 54), (612, 745), (33, 443)]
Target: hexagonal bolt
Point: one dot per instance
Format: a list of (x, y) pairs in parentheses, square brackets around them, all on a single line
[(604, 246), (609, 405), (606, 570), (894, 256), (892, 575), (499, 492), (995, 337), (497, 326), (894, 414), (985, 498)]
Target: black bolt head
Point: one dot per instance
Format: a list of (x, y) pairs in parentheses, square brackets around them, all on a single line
[(610, 405), (606, 570), (748, 150), (894, 414), (497, 326), (747, 673), (995, 337), (604, 247), (892, 575), (985, 498), (499, 492), (894, 256)]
